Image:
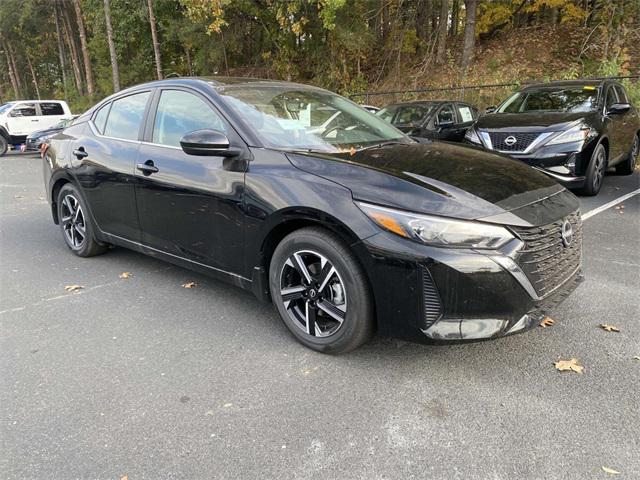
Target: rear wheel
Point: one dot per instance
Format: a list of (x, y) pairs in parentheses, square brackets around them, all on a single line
[(629, 164), (595, 171), (4, 145), (75, 223), (321, 291)]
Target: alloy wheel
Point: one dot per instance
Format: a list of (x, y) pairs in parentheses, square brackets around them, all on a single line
[(73, 222), (599, 169), (313, 293)]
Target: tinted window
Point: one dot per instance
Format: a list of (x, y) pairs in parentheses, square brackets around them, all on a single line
[(179, 113), (387, 113), (446, 115), (622, 94), (51, 109), (553, 99), (24, 110), (611, 97), (126, 116), (101, 117), (411, 114)]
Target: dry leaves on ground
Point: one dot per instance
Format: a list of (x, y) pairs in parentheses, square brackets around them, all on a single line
[(620, 208), (73, 288), (610, 471), (126, 275), (569, 365), (547, 322), (189, 284), (609, 328)]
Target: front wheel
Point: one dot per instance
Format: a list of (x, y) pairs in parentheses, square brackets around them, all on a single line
[(4, 145), (595, 171), (629, 164), (321, 292), (75, 222)]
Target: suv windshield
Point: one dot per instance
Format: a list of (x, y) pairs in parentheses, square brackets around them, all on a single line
[(307, 118), (5, 107), (405, 114), (552, 99)]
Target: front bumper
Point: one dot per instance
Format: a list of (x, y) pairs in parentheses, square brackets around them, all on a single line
[(436, 295)]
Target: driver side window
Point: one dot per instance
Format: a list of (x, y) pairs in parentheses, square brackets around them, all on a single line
[(446, 115), (611, 97)]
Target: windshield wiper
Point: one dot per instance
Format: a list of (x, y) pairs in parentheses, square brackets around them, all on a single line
[(383, 144)]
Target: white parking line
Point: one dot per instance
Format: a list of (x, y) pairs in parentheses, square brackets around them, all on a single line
[(610, 204)]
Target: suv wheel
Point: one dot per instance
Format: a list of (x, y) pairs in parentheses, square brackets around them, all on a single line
[(629, 164), (4, 145), (321, 291), (595, 171), (75, 223)]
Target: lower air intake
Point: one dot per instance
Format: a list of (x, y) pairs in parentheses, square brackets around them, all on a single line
[(431, 300)]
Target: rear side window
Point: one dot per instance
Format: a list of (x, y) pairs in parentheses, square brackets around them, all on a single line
[(126, 116), (101, 117), (466, 113), (24, 110), (51, 108), (179, 113)]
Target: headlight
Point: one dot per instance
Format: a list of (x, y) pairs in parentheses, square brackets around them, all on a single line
[(438, 231), (472, 136), (579, 133)]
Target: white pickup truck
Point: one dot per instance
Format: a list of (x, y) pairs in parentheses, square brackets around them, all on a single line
[(22, 117)]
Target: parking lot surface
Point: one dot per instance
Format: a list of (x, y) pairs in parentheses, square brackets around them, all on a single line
[(140, 377)]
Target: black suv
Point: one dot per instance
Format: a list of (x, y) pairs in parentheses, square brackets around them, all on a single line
[(435, 120), (571, 130)]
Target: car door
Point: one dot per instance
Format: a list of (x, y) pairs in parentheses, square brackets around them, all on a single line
[(615, 127), (444, 123), (190, 206), (466, 116), (50, 114), (23, 119), (628, 123), (104, 157)]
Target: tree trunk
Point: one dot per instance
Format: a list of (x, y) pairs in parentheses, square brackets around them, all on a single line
[(187, 51), (469, 33), (73, 48), (455, 18), (112, 48), (63, 67), (33, 75), (16, 72), (442, 31), (12, 76), (154, 37), (85, 48)]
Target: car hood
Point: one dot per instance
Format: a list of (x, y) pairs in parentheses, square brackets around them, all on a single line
[(445, 179), (543, 121)]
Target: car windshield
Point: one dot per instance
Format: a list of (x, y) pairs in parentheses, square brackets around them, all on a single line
[(405, 114), (298, 117), (560, 99), (5, 107)]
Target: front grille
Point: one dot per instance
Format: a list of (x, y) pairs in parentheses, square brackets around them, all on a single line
[(431, 299), (545, 259), (523, 140)]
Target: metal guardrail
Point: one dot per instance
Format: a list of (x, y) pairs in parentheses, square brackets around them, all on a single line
[(480, 95)]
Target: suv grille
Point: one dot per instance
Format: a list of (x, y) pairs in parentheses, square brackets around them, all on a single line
[(523, 140), (545, 260)]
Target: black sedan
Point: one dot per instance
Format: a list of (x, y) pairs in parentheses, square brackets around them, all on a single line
[(37, 138), (434, 120), (573, 131), (348, 226)]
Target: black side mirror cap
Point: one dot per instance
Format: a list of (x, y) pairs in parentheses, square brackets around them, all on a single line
[(490, 109), (618, 108), (210, 143)]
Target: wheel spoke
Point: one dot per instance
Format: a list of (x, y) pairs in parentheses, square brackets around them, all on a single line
[(332, 310), (310, 312), (291, 293), (325, 275), (297, 263), (80, 230)]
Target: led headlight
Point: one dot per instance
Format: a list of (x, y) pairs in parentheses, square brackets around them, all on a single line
[(579, 133), (438, 231), (472, 136)]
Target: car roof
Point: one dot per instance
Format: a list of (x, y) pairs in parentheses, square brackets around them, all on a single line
[(570, 83), (221, 81), (422, 102)]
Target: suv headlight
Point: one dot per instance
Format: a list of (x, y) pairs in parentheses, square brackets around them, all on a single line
[(472, 136), (579, 133), (438, 231)]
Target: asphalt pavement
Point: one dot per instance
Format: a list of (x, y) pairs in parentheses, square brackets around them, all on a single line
[(141, 378)]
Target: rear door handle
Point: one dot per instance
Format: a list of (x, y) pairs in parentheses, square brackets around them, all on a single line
[(147, 168), (80, 153)]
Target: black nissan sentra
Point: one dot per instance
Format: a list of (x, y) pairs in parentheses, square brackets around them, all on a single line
[(347, 225)]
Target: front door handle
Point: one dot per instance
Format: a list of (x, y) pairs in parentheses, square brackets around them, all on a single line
[(147, 168), (80, 153)]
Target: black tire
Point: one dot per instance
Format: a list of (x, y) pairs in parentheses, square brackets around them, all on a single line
[(4, 145), (628, 165), (75, 223), (342, 311), (595, 171)]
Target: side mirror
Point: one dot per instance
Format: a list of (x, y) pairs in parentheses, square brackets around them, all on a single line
[(490, 109), (211, 143), (618, 108)]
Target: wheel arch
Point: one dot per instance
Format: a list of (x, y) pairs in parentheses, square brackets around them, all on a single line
[(56, 185)]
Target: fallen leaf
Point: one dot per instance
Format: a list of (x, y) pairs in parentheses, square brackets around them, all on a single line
[(126, 477), (73, 288), (189, 284), (547, 322), (611, 471), (352, 151), (18, 197), (570, 365), (609, 328), (227, 405), (126, 275), (637, 357)]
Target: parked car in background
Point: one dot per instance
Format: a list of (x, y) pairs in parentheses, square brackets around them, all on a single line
[(371, 108), (348, 226), (19, 119), (571, 130), (37, 138), (435, 120)]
